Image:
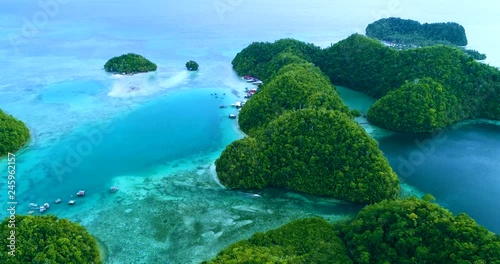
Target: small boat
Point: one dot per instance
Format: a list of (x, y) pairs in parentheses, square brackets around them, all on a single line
[(46, 205), (57, 201), (222, 106), (42, 209), (237, 104), (31, 212), (255, 195), (33, 206), (232, 116), (113, 189), (80, 193), (71, 202), (258, 82)]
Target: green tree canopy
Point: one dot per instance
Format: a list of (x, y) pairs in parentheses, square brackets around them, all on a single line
[(315, 151), (428, 106), (412, 32), (416, 231), (129, 64), (47, 239), (192, 65), (370, 67), (13, 134), (296, 86), (301, 241), (262, 59)]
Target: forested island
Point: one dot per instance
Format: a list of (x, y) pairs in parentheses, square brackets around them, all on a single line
[(130, 63), (403, 231), (13, 134), (302, 136), (368, 66), (192, 65), (407, 33), (47, 239)]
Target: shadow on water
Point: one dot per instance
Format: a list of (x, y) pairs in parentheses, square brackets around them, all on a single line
[(460, 166)]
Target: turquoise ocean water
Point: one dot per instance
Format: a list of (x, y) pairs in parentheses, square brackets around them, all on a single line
[(156, 135)]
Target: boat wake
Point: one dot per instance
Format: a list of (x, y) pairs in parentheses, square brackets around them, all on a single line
[(144, 84), (214, 176)]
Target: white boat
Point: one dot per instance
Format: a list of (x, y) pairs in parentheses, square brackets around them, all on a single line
[(232, 116), (71, 202)]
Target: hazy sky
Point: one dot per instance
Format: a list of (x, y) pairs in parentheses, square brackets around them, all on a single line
[(344, 17)]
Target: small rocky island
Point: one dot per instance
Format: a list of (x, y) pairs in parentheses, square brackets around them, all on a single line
[(130, 63), (407, 33), (192, 65)]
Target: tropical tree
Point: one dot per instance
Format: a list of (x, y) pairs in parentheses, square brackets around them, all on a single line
[(47, 239), (192, 65), (13, 134), (130, 63)]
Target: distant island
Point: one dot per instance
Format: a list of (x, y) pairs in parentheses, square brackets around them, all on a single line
[(192, 65), (13, 134), (402, 231), (406, 33), (130, 63)]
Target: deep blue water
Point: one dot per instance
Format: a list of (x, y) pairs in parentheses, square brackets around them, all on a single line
[(458, 166)]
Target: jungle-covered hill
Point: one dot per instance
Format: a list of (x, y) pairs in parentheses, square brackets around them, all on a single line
[(13, 134)]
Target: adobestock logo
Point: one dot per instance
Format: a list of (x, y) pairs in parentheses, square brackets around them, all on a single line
[(31, 26), (223, 6), (83, 148), (425, 149), (87, 141), (392, 9)]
